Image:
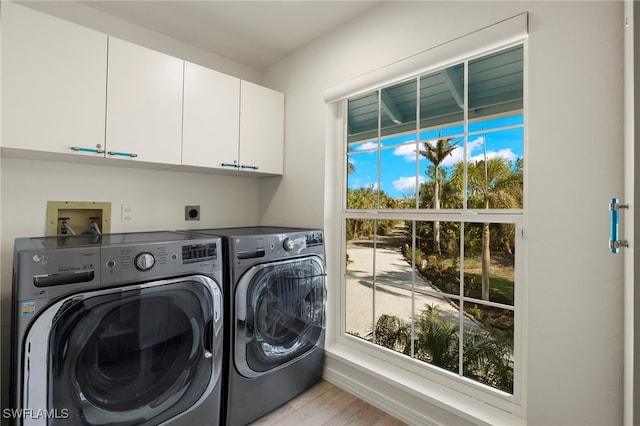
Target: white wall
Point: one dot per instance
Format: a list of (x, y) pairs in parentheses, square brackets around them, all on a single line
[(574, 153)]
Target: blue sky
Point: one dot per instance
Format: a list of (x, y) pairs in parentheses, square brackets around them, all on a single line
[(399, 159)]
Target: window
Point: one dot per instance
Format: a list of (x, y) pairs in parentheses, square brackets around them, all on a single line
[(433, 216)]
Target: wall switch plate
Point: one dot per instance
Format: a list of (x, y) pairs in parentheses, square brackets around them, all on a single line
[(192, 213)]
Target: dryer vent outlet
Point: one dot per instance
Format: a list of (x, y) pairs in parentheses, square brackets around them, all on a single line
[(192, 213)]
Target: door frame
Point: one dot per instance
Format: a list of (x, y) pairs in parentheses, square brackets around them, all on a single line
[(631, 384)]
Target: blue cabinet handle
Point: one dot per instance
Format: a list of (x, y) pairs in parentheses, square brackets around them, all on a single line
[(249, 167), (95, 151), (615, 243), (229, 165), (122, 154)]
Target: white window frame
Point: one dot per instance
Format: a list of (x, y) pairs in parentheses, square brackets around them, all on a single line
[(513, 403)]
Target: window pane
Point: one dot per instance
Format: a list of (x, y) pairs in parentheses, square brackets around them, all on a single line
[(394, 289), (496, 83), (437, 256), (488, 346), (441, 168), (489, 262), (437, 317), (398, 108), (362, 180), (398, 180), (362, 117), (437, 337), (359, 279), (495, 169), (442, 97)]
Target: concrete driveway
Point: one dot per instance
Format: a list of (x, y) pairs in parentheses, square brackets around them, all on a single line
[(398, 289)]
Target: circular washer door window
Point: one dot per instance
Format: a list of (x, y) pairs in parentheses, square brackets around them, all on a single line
[(284, 305), (132, 357)]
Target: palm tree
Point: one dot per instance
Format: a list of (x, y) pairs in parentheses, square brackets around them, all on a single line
[(393, 333), (437, 153), (351, 168), (437, 339)]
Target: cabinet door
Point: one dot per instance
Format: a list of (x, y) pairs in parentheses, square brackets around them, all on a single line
[(53, 83), (144, 104), (211, 118), (261, 129)]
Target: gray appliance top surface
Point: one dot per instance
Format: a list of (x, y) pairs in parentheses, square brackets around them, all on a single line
[(93, 240), (251, 231)]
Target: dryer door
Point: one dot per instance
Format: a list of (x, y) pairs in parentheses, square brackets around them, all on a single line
[(136, 355), (280, 314)]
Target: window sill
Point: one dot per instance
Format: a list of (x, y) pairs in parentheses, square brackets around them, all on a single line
[(402, 394)]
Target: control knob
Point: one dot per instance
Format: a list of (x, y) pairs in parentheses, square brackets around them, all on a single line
[(288, 244), (145, 261)]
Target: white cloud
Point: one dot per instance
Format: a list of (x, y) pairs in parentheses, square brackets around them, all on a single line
[(503, 153), (477, 144), (367, 145), (408, 152), (406, 183)]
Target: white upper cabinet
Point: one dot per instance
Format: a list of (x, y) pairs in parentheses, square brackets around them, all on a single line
[(211, 118), (261, 129), (53, 83), (230, 124), (67, 89), (144, 104)]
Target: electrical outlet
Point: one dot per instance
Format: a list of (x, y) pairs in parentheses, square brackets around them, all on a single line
[(192, 213), (126, 212)]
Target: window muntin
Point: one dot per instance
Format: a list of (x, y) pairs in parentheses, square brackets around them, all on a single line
[(455, 161)]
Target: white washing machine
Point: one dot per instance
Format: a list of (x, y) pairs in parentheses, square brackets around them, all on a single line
[(118, 329)]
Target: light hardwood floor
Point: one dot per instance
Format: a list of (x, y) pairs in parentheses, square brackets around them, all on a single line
[(326, 404)]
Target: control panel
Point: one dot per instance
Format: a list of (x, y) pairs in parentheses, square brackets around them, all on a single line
[(277, 246), (51, 266), (157, 260)]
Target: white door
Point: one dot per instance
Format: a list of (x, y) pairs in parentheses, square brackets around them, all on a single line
[(144, 104), (54, 82), (211, 118), (261, 129)]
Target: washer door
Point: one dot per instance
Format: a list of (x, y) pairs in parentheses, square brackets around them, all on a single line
[(135, 355), (280, 314)]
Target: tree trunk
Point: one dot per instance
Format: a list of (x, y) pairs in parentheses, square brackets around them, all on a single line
[(486, 260), (436, 224)]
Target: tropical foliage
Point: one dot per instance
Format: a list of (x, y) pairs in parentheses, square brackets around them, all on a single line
[(487, 356)]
